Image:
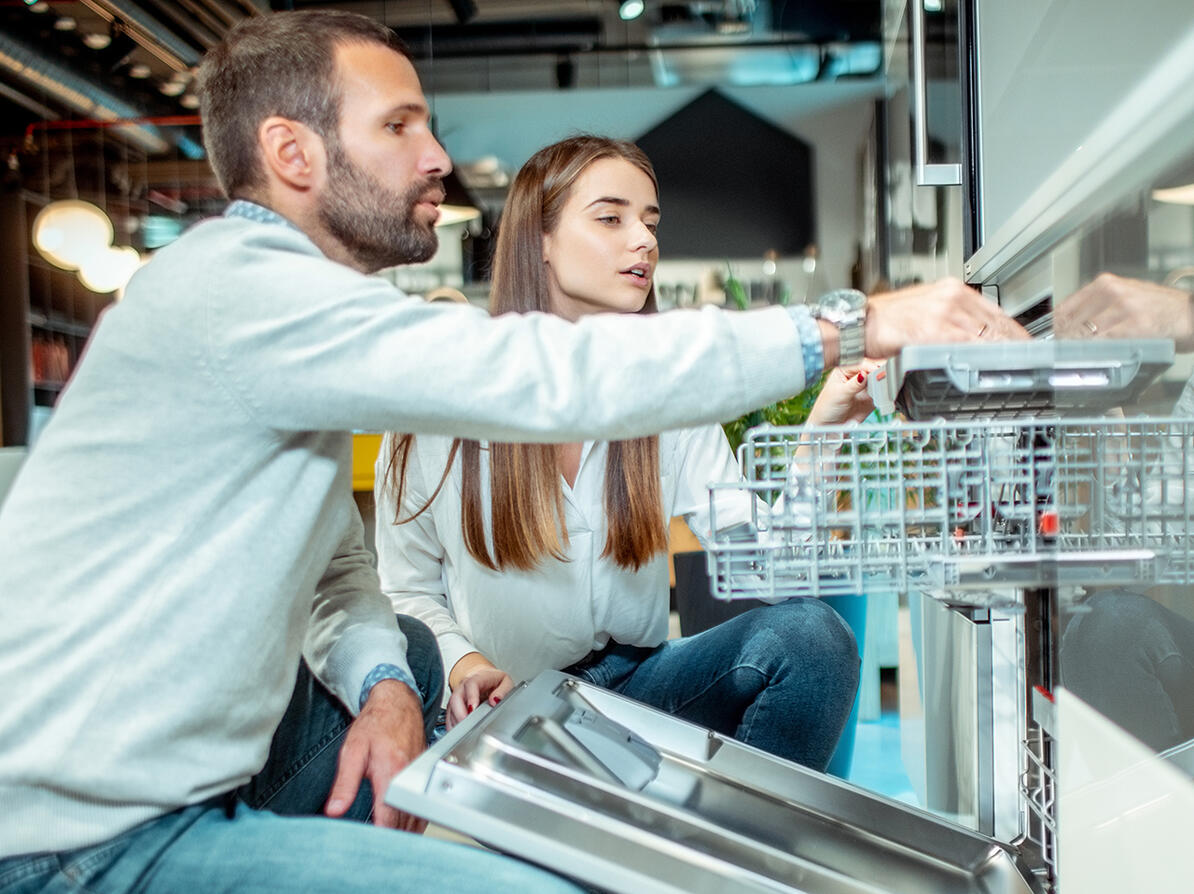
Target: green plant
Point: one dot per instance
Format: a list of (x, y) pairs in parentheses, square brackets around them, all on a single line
[(791, 411), (735, 290)]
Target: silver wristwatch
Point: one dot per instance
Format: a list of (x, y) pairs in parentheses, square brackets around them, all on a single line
[(845, 309)]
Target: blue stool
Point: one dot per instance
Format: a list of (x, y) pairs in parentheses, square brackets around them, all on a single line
[(853, 612)]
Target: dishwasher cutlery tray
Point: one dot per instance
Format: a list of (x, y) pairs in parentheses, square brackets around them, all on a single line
[(626, 798), (964, 506)]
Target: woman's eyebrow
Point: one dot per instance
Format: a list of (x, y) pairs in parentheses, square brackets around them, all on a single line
[(623, 203)]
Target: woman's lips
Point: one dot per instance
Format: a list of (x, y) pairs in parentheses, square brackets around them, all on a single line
[(639, 275)]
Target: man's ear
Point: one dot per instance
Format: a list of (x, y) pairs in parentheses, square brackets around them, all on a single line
[(292, 153)]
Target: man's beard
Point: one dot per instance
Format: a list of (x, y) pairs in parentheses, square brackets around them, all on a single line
[(375, 224)]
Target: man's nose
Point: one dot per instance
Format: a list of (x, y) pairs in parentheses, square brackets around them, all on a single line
[(435, 160)]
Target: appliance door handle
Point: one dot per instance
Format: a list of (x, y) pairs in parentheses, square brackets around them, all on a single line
[(925, 174)]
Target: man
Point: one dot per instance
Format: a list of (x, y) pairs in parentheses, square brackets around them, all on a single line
[(184, 533)]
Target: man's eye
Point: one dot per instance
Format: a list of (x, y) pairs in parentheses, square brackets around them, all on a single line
[(395, 126), (653, 228)]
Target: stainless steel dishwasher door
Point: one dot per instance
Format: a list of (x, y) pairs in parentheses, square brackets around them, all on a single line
[(629, 799)]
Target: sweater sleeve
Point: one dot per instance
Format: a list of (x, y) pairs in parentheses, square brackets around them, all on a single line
[(352, 630), (321, 347), (410, 556)]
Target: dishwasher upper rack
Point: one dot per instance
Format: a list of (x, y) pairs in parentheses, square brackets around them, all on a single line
[(968, 507)]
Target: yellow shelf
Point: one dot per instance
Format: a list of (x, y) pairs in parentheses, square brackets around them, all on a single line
[(364, 452)]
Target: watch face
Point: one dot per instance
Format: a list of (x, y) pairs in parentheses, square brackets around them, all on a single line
[(841, 304)]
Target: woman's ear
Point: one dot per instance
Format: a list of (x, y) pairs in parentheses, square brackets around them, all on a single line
[(292, 152)]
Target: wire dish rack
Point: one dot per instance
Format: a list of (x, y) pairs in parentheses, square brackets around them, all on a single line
[(969, 507)]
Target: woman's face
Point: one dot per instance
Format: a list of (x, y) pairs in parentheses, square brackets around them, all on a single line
[(602, 254)]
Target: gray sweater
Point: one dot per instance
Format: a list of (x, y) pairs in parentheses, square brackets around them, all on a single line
[(184, 529)]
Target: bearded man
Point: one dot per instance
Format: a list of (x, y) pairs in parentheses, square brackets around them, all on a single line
[(201, 676)]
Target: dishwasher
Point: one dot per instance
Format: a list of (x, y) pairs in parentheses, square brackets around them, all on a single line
[(1022, 490)]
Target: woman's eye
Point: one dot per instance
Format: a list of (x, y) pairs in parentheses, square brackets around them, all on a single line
[(395, 127), (652, 228), (610, 219)]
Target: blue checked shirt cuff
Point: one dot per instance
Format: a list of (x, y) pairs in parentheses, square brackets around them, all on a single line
[(813, 350), (387, 672)]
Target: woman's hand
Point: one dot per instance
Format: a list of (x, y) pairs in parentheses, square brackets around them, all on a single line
[(481, 684), (844, 397)]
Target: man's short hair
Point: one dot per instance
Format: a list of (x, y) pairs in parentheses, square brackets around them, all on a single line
[(278, 64)]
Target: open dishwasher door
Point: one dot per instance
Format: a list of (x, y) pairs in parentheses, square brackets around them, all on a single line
[(629, 799)]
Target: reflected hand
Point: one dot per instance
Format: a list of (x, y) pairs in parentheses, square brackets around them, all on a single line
[(1111, 306), (939, 312)]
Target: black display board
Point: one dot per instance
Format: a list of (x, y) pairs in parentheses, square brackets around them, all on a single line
[(731, 184)]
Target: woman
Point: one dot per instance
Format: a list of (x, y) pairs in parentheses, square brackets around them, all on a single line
[(526, 557)]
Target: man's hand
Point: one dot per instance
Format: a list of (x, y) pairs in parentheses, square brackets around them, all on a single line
[(939, 312), (479, 684), (385, 737), (1112, 306)]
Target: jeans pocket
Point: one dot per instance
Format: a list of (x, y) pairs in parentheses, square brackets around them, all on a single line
[(19, 875), (82, 867)]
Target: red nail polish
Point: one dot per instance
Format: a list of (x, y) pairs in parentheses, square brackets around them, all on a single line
[(861, 377), (470, 709), (496, 700)]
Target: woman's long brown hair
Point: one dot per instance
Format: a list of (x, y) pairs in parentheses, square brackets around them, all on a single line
[(526, 501)]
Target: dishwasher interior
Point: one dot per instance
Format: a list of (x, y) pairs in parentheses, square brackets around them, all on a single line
[(1012, 509), (998, 514)]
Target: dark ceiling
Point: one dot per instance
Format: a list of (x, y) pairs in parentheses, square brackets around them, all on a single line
[(66, 66)]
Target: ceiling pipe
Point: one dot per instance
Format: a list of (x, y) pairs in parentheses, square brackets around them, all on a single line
[(93, 123), (76, 92), (91, 100), (155, 37)]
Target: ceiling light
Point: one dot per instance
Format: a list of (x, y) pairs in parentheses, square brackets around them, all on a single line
[(189, 101), (173, 88), (1177, 195), (456, 214), (39, 6), (109, 270), (97, 41), (67, 232), (631, 9), (139, 70), (65, 23)]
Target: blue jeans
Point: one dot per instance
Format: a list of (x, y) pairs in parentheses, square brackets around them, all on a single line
[(268, 836), (779, 677)]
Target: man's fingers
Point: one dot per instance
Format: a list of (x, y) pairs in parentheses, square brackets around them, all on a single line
[(383, 814), (350, 770), (386, 816)]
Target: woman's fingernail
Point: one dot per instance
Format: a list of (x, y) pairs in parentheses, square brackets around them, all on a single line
[(496, 699), (861, 377), (334, 806), (470, 708)]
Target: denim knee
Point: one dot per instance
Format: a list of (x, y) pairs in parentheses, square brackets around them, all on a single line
[(811, 632)]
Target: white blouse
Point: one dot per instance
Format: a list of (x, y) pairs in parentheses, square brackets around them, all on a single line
[(551, 617)]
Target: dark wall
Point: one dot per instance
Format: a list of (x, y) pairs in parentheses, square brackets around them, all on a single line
[(730, 183)]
